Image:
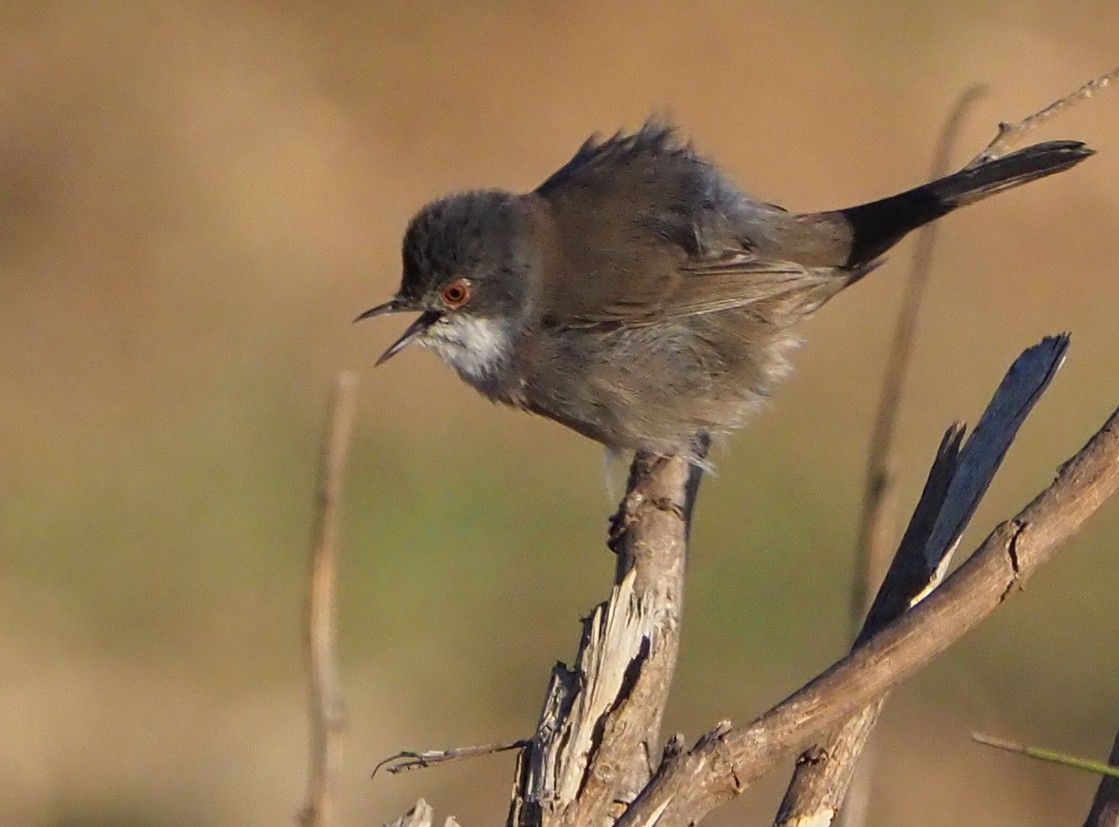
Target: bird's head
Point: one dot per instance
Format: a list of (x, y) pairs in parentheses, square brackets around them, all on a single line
[(469, 266)]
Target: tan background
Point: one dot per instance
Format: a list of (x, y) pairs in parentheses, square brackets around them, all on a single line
[(195, 199)]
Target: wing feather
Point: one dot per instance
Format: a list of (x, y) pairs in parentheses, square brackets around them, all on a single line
[(648, 230)]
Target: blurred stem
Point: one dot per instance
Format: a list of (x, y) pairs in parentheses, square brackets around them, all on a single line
[(873, 544), (325, 690), (1051, 756)]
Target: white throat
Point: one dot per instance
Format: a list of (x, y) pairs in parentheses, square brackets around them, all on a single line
[(477, 348)]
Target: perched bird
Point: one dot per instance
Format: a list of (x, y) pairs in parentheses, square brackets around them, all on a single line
[(637, 295)]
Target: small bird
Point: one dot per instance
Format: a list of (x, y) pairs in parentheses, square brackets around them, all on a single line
[(637, 295)]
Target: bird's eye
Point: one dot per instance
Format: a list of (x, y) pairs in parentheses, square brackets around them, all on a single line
[(456, 293)]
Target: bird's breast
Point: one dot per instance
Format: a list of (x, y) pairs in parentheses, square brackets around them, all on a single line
[(478, 348)]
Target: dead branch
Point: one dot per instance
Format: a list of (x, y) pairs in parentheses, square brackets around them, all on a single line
[(825, 770), (956, 483), (821, 778), (594, 746), (407, 760)]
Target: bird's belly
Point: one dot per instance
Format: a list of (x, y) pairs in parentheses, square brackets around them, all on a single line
[(654, 387)]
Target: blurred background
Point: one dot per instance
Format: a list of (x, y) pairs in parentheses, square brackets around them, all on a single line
[(197, 198)]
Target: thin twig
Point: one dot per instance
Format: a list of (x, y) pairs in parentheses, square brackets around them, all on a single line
[(1049, 755), (325, 690), (407, 760), (873, 544), (1011, 134)]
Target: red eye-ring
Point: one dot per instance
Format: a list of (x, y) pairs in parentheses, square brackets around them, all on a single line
[(456, 293)]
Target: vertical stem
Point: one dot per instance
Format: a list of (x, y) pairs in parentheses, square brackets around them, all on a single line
[(325, 691)]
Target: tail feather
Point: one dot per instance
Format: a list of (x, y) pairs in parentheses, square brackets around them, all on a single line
[(879, 225)]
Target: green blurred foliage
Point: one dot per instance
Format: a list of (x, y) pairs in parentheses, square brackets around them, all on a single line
[(195, 199)]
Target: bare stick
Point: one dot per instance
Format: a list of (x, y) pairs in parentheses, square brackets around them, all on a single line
[(1011, 134), (1105, 805), (407, 760), (595, 743), (326, 703), (726, 761)]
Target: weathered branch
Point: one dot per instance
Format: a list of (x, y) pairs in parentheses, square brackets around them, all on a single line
[(594, 746), (407, 760), (825, 770), (956, 483), (726, 761)]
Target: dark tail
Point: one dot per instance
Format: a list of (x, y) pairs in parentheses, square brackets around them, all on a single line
[(879, 225)]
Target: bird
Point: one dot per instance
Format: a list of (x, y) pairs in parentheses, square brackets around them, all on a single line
[(638, 296)]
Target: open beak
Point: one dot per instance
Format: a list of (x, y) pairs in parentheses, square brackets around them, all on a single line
[(416, 329)]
